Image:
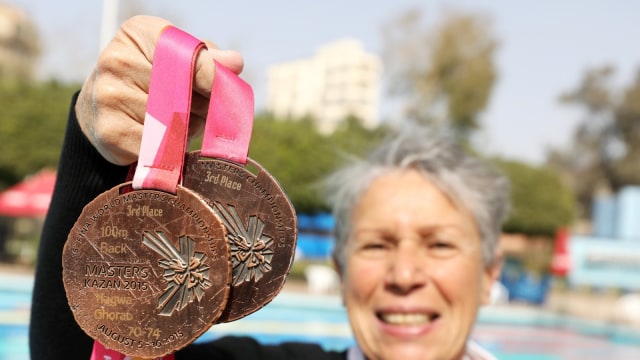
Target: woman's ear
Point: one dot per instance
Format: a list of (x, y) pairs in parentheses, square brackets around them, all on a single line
[(336, 265), (491, 275), (340, 272)]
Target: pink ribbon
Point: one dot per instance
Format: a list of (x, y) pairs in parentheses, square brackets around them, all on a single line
[(164, 136), (227, 132)]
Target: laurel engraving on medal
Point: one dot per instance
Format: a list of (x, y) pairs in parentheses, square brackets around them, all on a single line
[(251, 249), (186, 271)]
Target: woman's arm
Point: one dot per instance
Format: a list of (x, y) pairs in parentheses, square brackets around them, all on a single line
[(82, 175)]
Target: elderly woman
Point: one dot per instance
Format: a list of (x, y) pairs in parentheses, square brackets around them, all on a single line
[(417, 228), (417, 224)]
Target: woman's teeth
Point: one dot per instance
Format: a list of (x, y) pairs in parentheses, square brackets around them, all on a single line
[(406, 319)]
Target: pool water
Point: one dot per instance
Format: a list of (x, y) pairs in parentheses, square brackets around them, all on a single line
[(510, 333)]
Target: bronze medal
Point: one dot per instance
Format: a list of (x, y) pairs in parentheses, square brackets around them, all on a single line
[(146, 272), (261, 228)]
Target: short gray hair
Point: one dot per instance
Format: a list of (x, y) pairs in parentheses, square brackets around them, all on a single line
[(471, 182)]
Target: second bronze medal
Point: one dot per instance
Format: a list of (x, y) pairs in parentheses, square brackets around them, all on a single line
[(261, 228)]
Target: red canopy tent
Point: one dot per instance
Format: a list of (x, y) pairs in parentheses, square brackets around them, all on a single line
[(29, 198)]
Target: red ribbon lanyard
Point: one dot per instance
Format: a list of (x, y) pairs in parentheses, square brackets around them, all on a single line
[(102, 353), (227, 132), (164, 136)]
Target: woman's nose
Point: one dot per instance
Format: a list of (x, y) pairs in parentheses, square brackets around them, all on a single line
[(407, 269)]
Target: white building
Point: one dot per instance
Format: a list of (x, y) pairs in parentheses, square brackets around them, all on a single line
[(19, 44), (341, 79)]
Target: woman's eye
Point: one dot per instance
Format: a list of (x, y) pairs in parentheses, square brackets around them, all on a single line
[(376, 245), (441, 249), (372, 246), (441, 245)]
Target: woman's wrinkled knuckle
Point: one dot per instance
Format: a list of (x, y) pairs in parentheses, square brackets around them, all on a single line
[(104, 134), (108, 96)]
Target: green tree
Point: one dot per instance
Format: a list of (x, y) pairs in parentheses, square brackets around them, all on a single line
[(32, 126), (294, 153), (443, 75), (605, 148), (299, 157), (541, 202), (352, 139)]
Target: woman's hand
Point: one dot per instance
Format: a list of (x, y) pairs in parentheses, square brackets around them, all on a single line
[(111, 105)]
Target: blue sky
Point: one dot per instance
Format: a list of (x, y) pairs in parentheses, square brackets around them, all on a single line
[(545, 48)]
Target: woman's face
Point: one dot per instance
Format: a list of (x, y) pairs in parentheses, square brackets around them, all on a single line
[(414, 277)]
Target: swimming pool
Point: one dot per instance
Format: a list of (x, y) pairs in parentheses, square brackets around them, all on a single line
[(511, 333)]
